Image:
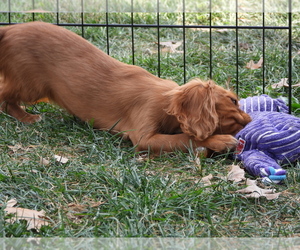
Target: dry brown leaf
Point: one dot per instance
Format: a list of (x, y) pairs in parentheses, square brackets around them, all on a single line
[(76, 211), (15, 148), (19, 147), (97, 203), (44, 161), (35, 219), (284, 82), (236, 174), (222, 30), (11, 203), (78, 208), (253, 191), (206, 180), (245, 46), (142, 158), (296, 85), (61, 159), (170, 47), (253, 65)]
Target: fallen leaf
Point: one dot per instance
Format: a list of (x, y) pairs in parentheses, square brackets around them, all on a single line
[(75, 207), (253, 65), (250, 182), (236, 174), (76, 211), (142, 158), (222, 30), (44, 161), (170, 47), (11, 203), (35, 219), (206, 181), (284, 82), (19, 147), (245, 46), (97, 203), (15, 148), (296, 85), (61, 159), (253, 191)]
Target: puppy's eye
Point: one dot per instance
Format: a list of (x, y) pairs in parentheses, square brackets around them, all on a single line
[(234, 101)]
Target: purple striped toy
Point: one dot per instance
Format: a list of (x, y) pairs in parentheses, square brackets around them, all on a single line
[(270, 140)]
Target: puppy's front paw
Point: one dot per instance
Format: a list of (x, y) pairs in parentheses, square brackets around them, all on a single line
[(29, 118), (19, 113), (221, 143)]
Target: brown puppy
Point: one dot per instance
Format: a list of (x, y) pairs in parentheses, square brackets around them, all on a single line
[(39, 60)]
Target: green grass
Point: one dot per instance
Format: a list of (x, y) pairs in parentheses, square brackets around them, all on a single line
[(106, 189)]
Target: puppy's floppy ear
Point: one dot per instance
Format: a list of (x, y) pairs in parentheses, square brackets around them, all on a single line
[(193, 104)]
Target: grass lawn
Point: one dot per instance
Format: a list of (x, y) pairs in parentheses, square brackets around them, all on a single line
[(105, 189)]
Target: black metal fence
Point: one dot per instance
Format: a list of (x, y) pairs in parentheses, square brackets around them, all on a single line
[(81, 12)]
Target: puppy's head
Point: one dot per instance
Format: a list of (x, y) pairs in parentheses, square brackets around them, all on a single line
[(203, 108), (231, 118)]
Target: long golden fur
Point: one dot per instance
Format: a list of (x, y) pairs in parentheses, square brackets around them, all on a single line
[(39, 60)]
